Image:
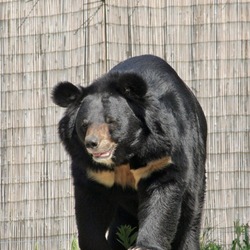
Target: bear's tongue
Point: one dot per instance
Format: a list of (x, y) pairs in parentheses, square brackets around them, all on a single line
[(101, 154)]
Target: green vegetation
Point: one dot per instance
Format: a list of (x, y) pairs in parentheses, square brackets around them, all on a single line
[(241, 241), (127, 237), (36, 247), (205, 240), (74, 243), (206, 243)]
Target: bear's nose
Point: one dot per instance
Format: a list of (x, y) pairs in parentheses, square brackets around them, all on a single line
[(91, 141)]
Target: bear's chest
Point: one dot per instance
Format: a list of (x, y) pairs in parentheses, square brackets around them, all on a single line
[(126, 177)]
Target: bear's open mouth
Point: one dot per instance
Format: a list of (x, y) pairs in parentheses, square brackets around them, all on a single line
[(107, 154)]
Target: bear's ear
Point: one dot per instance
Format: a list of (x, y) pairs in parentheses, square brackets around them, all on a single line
[(132, 85), (65, 93)]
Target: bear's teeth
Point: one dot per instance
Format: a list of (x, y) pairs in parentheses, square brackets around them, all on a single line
[(106, 154), (102, 155)]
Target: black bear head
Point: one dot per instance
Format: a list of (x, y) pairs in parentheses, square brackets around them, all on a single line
[(107, 116)]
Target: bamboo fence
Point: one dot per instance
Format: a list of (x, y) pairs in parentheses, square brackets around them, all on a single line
[(43, 42)]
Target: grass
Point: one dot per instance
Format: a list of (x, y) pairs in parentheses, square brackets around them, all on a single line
[(240, 242), (74, 243), (127, 235), (205, 240), (242, 237)]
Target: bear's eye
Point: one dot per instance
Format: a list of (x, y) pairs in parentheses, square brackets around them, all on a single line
[(127, 91), (109, 120), (85, 123)]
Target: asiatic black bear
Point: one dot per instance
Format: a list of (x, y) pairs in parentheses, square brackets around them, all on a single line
[(137, 141)]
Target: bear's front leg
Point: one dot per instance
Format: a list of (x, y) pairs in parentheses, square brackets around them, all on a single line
[(160, 202), (93, 215)]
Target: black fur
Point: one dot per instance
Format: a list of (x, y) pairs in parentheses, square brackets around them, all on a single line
[(65, 93), (151, 113)]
